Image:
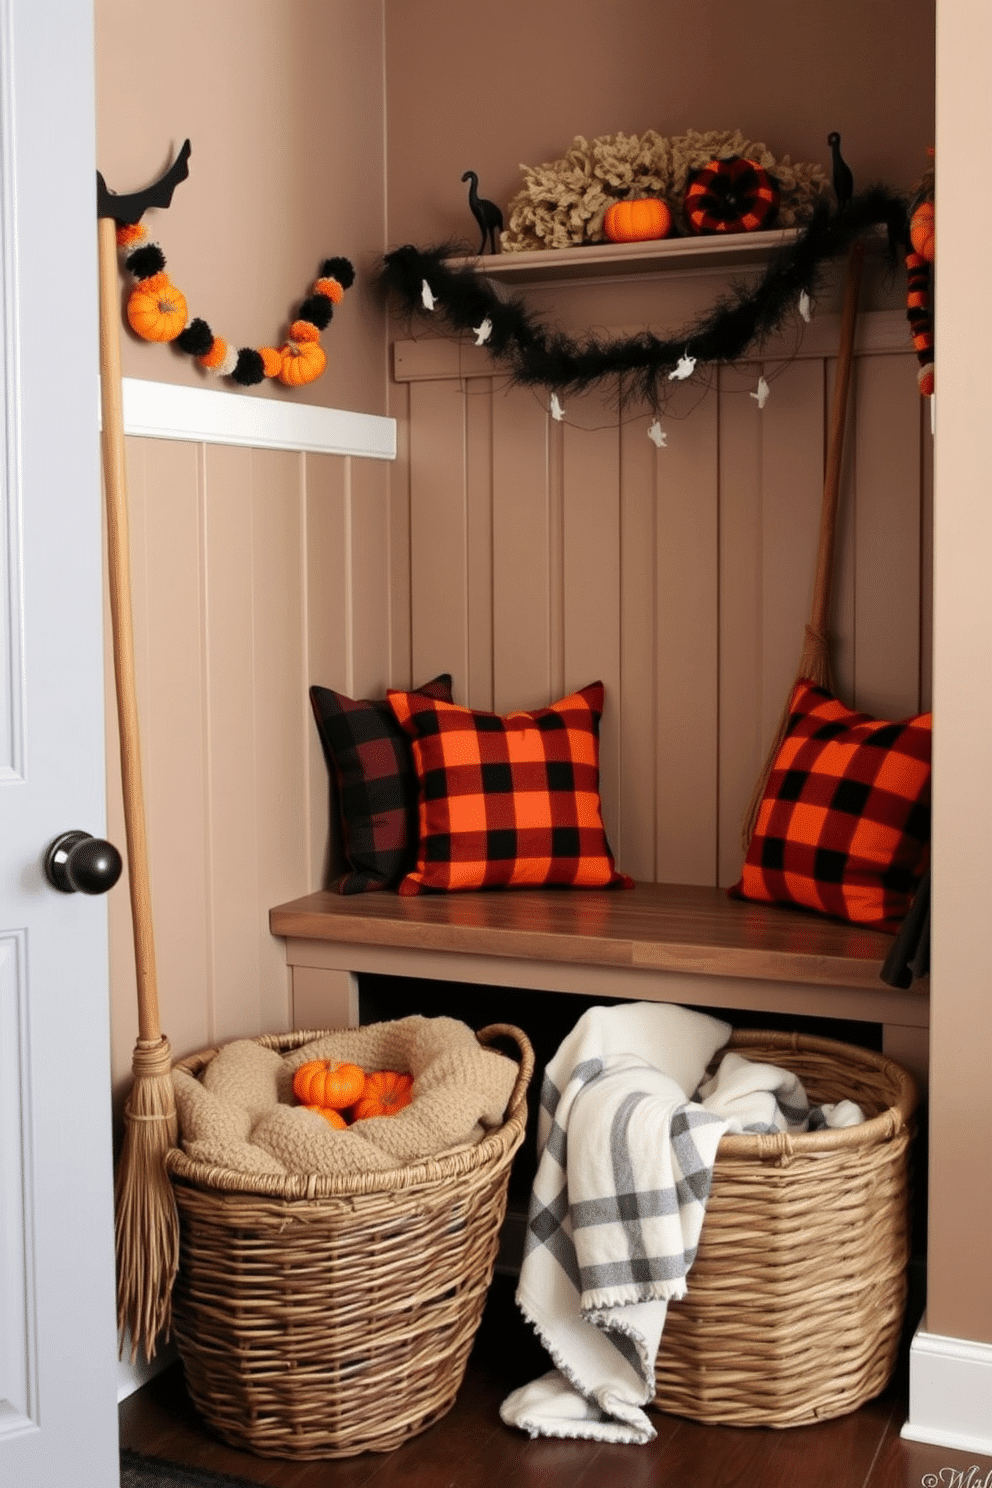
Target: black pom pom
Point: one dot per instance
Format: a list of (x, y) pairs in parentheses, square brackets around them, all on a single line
[(145, 261), (196, 339), (340, 269), (249, 367), (318, 310)]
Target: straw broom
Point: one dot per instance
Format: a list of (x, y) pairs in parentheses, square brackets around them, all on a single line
[(814, 661), (147, 1225)]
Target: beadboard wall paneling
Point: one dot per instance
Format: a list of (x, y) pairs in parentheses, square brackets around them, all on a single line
[(544, 554), (255, 574)]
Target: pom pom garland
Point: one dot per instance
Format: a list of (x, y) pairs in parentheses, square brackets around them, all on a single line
[(247, 365), (340, 269)]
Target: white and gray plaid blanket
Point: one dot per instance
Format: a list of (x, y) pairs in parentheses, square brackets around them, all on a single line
[(624, 1170), (625, 1163)]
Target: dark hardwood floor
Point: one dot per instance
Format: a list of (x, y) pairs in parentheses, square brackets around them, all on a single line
[(471, 1448)]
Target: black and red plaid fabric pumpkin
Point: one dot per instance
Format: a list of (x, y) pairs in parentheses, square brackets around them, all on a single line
[(731, 196), (844, 824), (507, 802)]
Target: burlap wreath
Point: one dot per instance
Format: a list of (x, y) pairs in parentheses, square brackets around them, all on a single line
[(562, 203)]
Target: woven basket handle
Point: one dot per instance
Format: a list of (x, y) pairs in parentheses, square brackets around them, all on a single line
[(488, 1036)]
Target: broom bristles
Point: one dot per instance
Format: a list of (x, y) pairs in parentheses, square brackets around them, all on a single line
[(147, 1224)]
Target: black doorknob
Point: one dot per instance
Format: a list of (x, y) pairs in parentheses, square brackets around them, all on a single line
[(78, 861)]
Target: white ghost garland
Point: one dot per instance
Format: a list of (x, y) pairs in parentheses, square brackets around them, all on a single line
[(483, 331), (657, 434), (763, 393), (427, 296), (557, 412), (805, 307), (684, 368)]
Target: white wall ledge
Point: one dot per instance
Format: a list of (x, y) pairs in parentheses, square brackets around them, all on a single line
[(164, 410)]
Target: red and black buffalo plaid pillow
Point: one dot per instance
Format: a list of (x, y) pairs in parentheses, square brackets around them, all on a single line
[(844, 825), (368, 755), (507, 802)]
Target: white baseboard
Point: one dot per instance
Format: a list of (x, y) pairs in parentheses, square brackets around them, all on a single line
[(131, 1377), (950, 1393)]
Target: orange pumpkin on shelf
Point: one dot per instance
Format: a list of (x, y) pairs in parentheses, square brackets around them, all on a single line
[(386, 1092), (637, 221), (156, 309), (328, 1083), (921, 231), (332, 1117)]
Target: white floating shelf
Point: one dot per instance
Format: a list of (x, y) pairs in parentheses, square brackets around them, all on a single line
[(598, 260)]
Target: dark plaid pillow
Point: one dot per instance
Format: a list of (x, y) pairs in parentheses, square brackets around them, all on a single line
[(368, 755), (844, 825), (507, 802)]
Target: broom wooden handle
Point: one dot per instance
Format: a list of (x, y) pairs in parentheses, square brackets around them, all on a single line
[(119, 574), (823, 582)]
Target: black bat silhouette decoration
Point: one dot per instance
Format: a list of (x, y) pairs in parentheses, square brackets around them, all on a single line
[(131, 208)]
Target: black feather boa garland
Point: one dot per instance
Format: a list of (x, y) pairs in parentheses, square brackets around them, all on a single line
[(536, 355)]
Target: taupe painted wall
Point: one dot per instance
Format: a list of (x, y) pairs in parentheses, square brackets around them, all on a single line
[(285, 107), (283, 103), (545, 554), (490, 88), (255, 572)]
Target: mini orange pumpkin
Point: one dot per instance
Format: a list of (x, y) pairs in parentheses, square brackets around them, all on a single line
[(328, 1082), (156, 309), (302, 361), (635, 221), (386, 1092), (921, 230), (334, 1118)]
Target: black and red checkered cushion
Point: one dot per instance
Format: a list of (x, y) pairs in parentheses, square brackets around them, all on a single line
[(507, 802), (844, 824), (368, 755)]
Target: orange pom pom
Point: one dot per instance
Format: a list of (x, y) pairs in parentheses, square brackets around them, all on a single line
[(921, 231), (331, 288), (130, 233), (213, 358), (271, 360), (304, 330)]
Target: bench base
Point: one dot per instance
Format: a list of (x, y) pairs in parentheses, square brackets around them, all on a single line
[(657, 943)]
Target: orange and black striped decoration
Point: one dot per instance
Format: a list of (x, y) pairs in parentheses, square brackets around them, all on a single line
[(920, 320), (731, 196)]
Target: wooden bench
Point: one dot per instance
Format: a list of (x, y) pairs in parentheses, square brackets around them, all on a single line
[(657, 942)]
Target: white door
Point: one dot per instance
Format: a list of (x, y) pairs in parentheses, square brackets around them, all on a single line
[(58, 1420)]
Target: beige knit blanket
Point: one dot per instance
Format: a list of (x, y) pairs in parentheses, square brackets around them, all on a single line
[(242, 1114)]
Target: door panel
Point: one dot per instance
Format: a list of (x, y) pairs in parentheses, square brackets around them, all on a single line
[(57, 1313)]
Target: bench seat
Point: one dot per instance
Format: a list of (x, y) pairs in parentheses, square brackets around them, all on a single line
[(657, 942)]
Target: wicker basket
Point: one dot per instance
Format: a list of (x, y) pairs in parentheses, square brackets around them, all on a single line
[(321, 1317), (797, 1293)]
